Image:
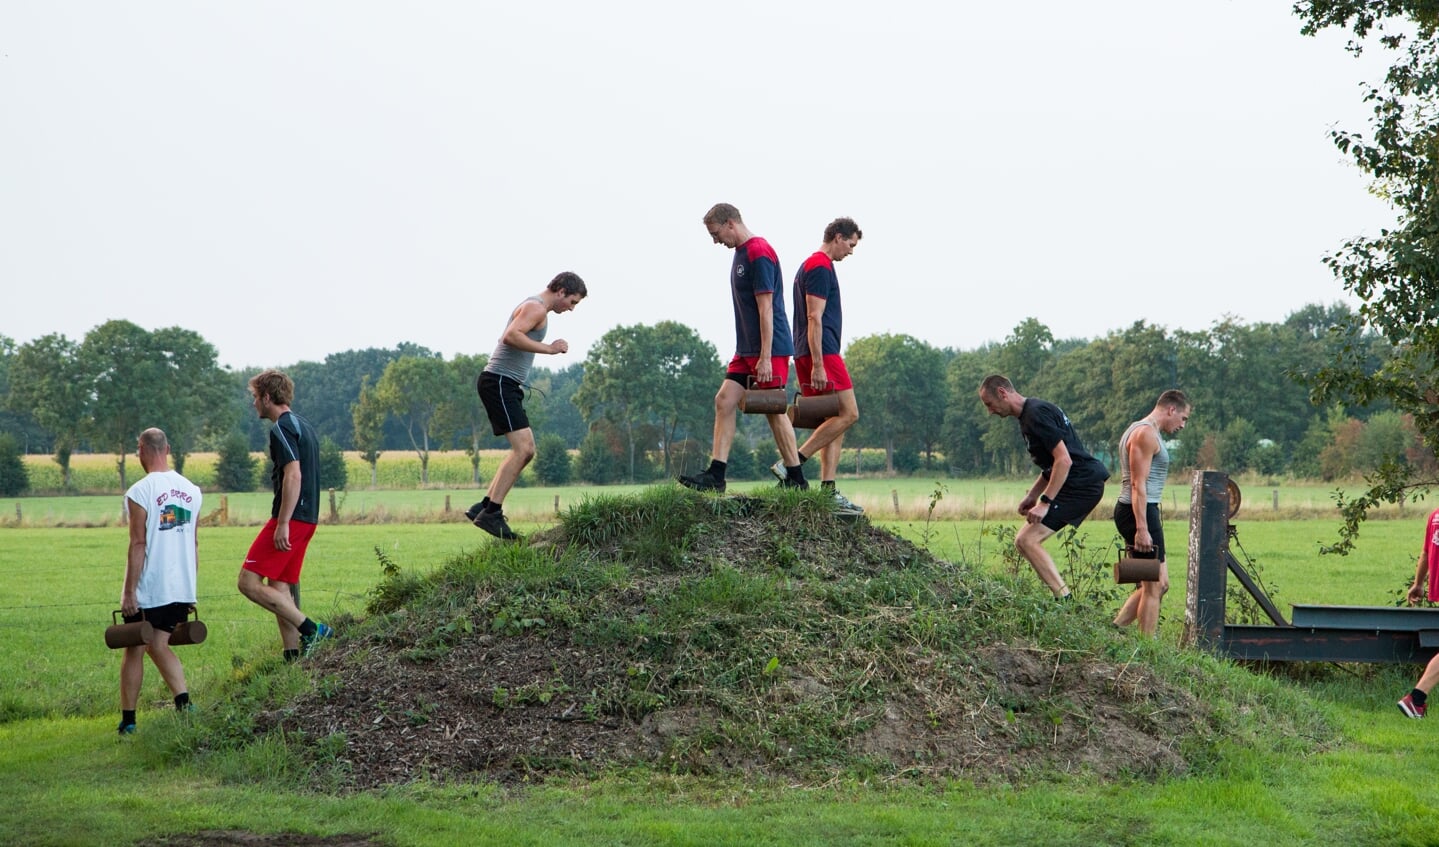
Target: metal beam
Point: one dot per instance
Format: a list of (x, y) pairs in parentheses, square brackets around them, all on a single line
[(1367, 617), (1322, 644)]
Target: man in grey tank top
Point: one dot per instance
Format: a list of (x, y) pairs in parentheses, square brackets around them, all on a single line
[(502, 385), (1143, 470)]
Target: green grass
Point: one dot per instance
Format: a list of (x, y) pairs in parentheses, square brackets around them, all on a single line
[(67, 780)]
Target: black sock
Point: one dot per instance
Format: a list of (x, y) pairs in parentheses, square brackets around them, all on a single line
[(1418, 697), (127, 716), (803, 458), (827, 484), (292, 655), (182, 699), (795, 474), (717, 468), (495, 508), (307, 628)]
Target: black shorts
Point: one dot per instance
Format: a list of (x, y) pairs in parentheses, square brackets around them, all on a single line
[(504, 399), (165, 617), (1125, 523), (1073, 505)]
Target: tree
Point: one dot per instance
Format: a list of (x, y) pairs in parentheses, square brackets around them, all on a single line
[(47, 383), (127, 386), (235, 467), (552, 460), (194, 386), (899, 380), (14, 477), (1394, 275), (326, 391), (368, 419), (641, 378), (333, 473), (413, 388), (462, 414)]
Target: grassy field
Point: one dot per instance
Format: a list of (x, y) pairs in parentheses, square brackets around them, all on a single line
[(66, 780)]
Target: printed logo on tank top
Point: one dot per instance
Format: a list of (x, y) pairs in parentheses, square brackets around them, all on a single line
[(739, 270)]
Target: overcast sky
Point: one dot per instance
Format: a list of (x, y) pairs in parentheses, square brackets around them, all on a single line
[(293, 179)]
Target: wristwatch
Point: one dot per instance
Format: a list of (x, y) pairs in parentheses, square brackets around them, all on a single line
[(1044, 498)]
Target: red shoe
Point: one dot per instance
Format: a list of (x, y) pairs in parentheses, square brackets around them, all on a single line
[(1410, 710)]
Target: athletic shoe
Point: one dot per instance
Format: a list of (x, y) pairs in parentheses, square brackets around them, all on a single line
[(126, 729), (1410, 708), (495, 524), (474, 511), (802, 485), (308, 642), (779, 471), (703, 481), (844, 507)]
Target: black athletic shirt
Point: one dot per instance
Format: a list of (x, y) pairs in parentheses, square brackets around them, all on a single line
[(1044, 425), (292, 439)]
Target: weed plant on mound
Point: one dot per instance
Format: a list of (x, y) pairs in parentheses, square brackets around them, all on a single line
[(758, 636)]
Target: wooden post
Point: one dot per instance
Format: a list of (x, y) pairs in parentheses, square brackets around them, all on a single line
[(224, 510), (1208, 543), (18, 516), (447, 504), (894, 497), (557, 505), (1276, 499)]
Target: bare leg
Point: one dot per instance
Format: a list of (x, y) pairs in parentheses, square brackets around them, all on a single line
[(274, 598), (1149, 606), (132, 676), (1129, 612), (784, 439), (726, 406), (829, 459), (167, 662), (1430, 676), (832, 431), (522, 452), (289, 636), (1030, 541)]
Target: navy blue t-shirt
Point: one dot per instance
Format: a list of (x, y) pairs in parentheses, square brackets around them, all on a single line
[(816, 278), (756, 271), (1044, 425), (292, 439)]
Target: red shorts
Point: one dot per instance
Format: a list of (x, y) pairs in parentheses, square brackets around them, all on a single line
[(279, 565), (833, 368), (743, 367)]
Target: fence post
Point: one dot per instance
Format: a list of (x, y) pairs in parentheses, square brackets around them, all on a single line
[(557, 505), (1208, 542), (894, 497), (447, 504)]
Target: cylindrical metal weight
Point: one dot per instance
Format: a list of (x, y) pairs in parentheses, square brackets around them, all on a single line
[(1136, 570), (810, 412), (763, 401), (189, 632), (128, 634)]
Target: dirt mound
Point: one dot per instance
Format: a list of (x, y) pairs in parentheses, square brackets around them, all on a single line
[(821, 648)]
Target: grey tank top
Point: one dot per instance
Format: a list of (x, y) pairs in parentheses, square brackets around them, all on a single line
[(512, 361), (1158, 466)]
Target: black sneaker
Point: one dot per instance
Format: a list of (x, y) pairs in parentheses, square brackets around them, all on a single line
[(801, 484), (309, 642), (474, 511), (126, 729), (495, 524), (703, 481)]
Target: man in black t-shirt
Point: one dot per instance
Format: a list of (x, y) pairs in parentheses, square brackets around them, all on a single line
[(1070, 482)]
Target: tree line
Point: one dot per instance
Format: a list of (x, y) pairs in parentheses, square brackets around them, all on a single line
[(640, 406)]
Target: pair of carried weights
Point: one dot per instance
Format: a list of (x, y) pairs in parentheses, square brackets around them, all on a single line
[(119, 635), (805, 413), (1130, 570)]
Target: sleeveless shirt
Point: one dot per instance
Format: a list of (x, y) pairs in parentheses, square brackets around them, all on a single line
[(1158, 466), (512, 361)]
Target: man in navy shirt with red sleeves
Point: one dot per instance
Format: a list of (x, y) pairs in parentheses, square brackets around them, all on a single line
[(762, 346), (1070, 483), (818, 325)]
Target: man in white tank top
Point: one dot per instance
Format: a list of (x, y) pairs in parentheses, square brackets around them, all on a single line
[(1143, 470), (160, 571)]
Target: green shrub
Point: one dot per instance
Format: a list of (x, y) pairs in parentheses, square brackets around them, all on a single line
[(13, 477), (552, 460), (235, 468), (333, 473)]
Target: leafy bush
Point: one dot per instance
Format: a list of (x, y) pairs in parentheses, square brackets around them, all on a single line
[(13, 477), (552, 460), (333, 473), (235, 467)]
